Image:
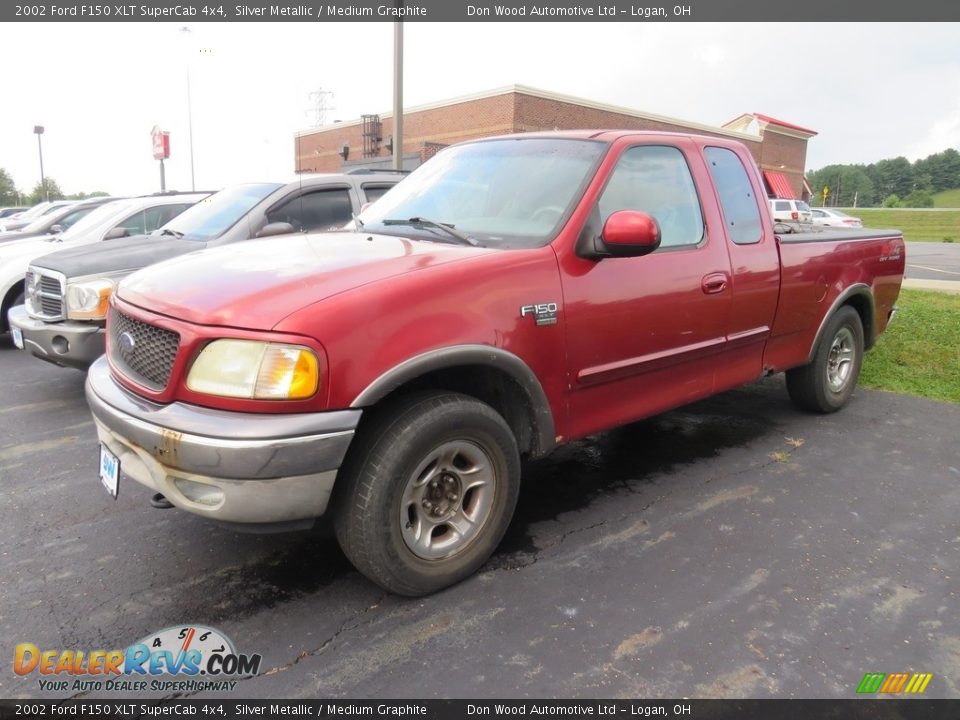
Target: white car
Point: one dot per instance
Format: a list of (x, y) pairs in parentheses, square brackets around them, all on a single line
[(787, 211), (828, 217), (121, 218)]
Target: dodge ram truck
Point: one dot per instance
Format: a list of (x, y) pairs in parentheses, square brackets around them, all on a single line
[(65, 324), (511, 295)]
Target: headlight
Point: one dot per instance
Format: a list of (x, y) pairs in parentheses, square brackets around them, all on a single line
[(88, 300), (251, 369)]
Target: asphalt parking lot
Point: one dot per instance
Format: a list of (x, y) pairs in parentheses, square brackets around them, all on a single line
[(698, 554)]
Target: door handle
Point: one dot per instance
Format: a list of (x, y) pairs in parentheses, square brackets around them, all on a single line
[(714, 283)]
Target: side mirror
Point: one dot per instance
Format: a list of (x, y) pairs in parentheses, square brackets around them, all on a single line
[(629, 233), (276, 228), (115, 233), (56, 229)]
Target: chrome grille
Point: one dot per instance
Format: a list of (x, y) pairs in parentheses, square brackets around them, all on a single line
[(143, 352), (44, 293)]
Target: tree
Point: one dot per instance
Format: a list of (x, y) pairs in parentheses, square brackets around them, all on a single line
[(846, 182), (891, 201), (53, 192), (892, 177), (8, 190), (918, 199)]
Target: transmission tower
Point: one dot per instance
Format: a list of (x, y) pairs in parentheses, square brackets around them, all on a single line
[(319, 106)]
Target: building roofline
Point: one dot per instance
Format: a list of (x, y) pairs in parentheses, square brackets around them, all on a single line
[(547, 95)]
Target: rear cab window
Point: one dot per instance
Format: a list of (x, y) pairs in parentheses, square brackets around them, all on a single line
[(741, 215)]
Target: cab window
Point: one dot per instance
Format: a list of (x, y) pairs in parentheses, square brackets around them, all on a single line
[(656, 180)]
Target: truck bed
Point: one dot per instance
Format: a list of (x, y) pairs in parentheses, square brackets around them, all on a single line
[(832, 265)]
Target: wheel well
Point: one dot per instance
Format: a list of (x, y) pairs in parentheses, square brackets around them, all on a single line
[(861, 303), (494, 387), (18, 287)]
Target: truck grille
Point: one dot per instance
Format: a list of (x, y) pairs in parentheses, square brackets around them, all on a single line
[(44, 295), (143, 352)]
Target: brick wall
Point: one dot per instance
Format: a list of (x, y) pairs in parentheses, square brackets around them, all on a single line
[(427, 131)]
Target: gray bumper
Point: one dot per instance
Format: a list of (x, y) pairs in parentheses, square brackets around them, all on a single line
[(228, 466), (70, 344)]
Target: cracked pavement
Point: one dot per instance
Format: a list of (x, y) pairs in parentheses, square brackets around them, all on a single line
[(704, 553)]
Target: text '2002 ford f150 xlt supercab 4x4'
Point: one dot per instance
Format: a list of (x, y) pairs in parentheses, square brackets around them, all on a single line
[(511, 295)]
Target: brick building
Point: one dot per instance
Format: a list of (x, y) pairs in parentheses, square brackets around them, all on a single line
[(780, 148)]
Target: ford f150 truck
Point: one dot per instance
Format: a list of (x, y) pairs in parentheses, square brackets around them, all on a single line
[(511, 295), (65, 326)]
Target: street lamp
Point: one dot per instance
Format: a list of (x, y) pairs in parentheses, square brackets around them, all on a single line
[(38, 131), (193, 186)]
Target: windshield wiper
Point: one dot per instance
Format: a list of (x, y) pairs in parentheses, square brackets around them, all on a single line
[(167, 231), (422, 222)]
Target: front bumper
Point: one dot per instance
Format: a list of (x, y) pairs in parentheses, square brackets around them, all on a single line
[(68, 343), (227, 466)]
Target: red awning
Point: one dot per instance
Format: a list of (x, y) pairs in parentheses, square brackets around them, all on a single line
[(779, 185)]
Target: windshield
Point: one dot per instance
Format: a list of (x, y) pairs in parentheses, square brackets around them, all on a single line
[(64, 217), (213, 216), (95, 218), (501, 193), (34, 212)]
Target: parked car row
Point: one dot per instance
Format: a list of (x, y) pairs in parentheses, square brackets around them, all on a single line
[(505, 298), (67, 292)]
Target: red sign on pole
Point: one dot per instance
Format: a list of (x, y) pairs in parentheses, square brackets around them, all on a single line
[(161, 144)]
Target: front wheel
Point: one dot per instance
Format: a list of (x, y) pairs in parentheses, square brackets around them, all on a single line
[(825, 385), (428, 492)]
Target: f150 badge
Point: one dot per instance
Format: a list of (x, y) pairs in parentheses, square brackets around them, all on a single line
[(545, 313)]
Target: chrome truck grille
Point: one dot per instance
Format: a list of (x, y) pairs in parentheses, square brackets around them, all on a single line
[(143, 352), (44, 293)]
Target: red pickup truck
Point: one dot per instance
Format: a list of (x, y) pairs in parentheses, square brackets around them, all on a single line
[(511, 295)]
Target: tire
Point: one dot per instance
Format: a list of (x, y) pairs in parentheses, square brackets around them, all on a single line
[(826, 384), (427, 492), (20, 299)]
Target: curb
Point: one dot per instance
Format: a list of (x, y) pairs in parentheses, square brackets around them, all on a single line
[(947, 286)]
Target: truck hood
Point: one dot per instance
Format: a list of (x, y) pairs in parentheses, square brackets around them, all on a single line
[(256, 284), (114, 257)]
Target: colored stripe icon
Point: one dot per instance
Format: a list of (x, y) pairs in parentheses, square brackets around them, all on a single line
[(894, 683)]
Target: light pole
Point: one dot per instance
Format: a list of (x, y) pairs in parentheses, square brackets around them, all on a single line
[(193, 185), (38, 131), (398, 95)]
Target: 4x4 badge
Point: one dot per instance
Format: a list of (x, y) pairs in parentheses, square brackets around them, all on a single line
[(545, 313)]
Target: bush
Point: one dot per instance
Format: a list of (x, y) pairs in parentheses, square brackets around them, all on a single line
[(891, 201)]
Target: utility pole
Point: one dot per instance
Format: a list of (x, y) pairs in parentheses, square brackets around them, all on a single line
[(319, 105), (398, 95)]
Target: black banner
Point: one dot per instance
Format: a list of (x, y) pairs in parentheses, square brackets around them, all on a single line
[(865, 709), (483, 10)]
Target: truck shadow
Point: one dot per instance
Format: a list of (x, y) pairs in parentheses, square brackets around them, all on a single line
[(621, 461)]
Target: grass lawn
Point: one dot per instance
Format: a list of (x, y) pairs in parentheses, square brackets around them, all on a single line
[(927, 225), (919, 353), (947, 199)]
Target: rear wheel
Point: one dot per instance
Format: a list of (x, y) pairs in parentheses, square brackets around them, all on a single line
[(427, 492), (825, 385)]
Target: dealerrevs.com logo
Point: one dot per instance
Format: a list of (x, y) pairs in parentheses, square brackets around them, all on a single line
[(176, 659)]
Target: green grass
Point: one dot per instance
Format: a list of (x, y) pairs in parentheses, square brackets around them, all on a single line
[(919, 353), (947, 199), (923, 225)]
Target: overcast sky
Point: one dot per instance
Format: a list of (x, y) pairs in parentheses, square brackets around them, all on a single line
[(871, 91)]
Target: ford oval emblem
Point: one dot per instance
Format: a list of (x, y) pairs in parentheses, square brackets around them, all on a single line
[(127, 344)]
